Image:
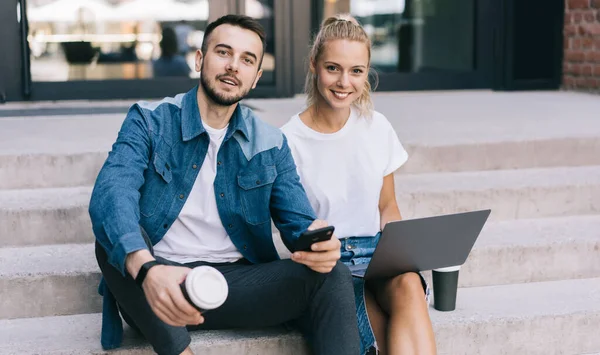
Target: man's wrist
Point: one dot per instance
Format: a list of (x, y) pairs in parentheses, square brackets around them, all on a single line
[(141, 276), (135, 260)]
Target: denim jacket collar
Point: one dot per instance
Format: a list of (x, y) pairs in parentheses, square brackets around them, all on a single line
[(191, 124)]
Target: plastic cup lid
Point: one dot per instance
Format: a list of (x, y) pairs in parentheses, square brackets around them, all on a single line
[(206, 287), (448, 269)]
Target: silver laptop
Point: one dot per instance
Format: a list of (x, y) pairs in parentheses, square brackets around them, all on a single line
[(423, 244)]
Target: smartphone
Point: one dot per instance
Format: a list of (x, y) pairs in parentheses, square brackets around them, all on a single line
[(308, 238)]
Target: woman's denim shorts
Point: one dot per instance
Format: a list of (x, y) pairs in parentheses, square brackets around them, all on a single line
[(359, 250)]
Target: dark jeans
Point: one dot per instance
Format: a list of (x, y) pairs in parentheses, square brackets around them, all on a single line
[(321, 306)]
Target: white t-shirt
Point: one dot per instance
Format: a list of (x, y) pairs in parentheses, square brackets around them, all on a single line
[(198, 233), (343, 172)]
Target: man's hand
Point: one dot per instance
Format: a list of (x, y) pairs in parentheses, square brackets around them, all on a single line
[(324, 255), (161, 287)]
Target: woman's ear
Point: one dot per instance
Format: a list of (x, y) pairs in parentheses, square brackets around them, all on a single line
[(312, 66)]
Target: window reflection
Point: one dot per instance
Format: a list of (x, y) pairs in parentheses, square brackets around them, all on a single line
[(114, 39), (415, 35), (262, 10)]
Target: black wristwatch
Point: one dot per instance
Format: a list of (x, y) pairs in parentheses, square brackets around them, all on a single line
[(139, 280)]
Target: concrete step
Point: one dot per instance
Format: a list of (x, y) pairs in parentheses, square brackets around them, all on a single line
[(534, 250), (45, 216), (540, 318), (54, 151), (49, 280), (62, 279), (560, 317), (443, 131), (47, 170), (59, 215), (511, 194), (27, 171), (503, 155)]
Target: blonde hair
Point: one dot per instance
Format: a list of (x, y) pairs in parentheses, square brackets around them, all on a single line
[(341, 26)]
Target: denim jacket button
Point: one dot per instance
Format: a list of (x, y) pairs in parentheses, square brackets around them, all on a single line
[(230, 226), (257, 182), (222, 194), (181, 196), (245, 247), (348, 247), (194, 166), (218, 163)]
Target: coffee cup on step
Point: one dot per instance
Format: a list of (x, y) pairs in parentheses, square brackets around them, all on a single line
[(205, 288), (445, 284)]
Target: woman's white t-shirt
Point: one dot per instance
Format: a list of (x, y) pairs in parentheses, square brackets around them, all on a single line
[(343, 172)]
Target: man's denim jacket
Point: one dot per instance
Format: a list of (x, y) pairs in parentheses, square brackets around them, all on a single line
[(151, 170)]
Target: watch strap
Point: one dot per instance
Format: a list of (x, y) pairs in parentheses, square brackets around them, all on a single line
[(141, 276)]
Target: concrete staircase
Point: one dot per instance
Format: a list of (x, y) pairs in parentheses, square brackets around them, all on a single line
[(530, 286)]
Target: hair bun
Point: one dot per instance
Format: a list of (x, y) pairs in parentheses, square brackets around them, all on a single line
[(340, 18)]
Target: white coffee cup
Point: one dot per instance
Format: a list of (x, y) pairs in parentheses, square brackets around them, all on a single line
[(448, 269), (205, 288)]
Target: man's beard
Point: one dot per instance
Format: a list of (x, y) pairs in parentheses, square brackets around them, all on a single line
[(219, 99)]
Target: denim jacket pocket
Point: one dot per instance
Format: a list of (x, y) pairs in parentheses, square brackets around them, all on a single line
[(255, 194), (156, 185)]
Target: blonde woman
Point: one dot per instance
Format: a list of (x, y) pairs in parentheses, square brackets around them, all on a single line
[(346, 154)]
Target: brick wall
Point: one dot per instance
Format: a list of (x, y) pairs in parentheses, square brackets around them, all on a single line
[(581, 65)]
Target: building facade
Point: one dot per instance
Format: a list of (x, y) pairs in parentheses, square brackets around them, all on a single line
[(581, 69), (111, 49)]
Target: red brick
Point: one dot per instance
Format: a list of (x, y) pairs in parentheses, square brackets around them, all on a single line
[(578, 4), (596, 4), (587, 70), (571, 30), (568, 68), (597, 43), (577, 17), (592, 29), (592, 57), (597, 70), (568, 18), (592, 83), (568, 81), (576, 43), (580, 82), (574, 56), (587, 43), (589, 16), (575, 69)]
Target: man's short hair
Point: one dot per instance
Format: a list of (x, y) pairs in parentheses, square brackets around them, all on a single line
[(245, 22)]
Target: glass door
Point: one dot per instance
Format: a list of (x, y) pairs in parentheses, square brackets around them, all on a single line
[(425, 44), (112, 49)]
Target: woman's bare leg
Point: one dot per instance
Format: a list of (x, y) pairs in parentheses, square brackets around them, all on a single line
[(409, 329), (378, 320)]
